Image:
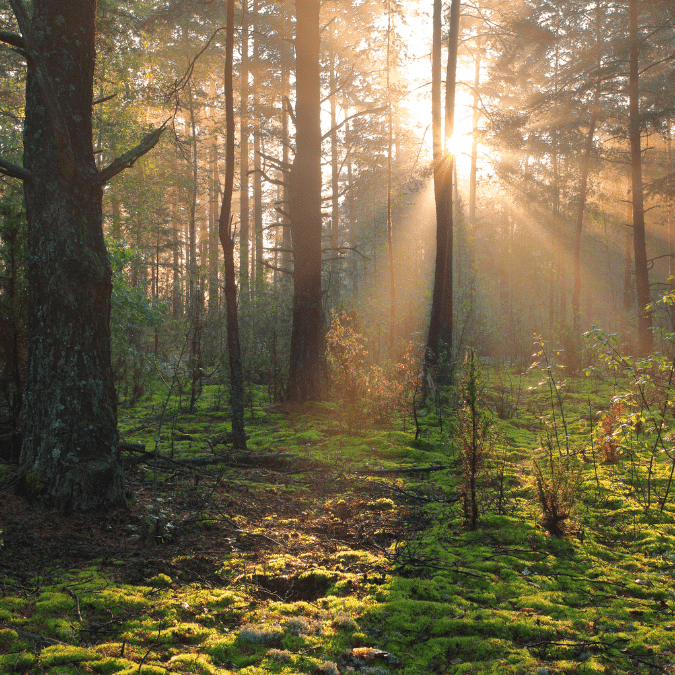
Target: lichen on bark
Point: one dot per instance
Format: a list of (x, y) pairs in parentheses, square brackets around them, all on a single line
[(70, 452)]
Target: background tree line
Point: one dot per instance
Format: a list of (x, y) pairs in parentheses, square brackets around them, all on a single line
[(562, 215)]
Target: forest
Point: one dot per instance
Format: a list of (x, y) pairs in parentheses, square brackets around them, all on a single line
[(337, 337)]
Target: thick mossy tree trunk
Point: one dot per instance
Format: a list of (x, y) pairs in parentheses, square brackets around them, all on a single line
[(70, 449), (305, 211)]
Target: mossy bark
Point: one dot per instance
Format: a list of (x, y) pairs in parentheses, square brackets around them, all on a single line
[(70, 452)]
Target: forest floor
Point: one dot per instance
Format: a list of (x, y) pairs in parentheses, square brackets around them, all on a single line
[(341, 548)]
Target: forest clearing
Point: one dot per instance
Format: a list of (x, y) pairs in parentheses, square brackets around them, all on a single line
[(336, 547), (337, 336)]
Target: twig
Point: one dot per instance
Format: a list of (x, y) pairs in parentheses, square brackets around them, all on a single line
[(152, 646), (77, 602)]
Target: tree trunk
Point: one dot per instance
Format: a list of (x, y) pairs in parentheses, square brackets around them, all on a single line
[(335, 180), (473, 180), (644, 317), (439, 341), (583, 187), (286, 62), (70, 449), (390, 234), (213, 194), (244, 229), (305, 210), (258, 275), (227, 242), (669, 208)]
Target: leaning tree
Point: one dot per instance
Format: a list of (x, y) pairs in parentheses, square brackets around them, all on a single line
[(70, 451)]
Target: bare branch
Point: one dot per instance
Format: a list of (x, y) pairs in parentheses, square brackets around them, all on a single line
[(276, 269), (129, 158), (180, 84), (98, 101), (289, 109), (14, 170), (51, 101), (12, 39), (282, 166), (351, 117)]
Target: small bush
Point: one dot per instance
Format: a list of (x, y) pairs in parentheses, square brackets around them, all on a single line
[(558, 482)]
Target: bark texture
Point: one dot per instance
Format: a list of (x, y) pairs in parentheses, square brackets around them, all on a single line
[(227, 242), (71, 448), (305, 211), (644, 317), (439, 340)]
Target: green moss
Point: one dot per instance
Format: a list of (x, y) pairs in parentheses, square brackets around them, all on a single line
[(12, 662), (160, 581), (8, 636), (110, 665), (59, 654)]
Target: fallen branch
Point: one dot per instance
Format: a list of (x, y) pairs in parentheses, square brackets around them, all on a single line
[(412, 469), (204, 460), (38, 639)]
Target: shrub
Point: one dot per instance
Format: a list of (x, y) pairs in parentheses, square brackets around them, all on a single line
[(558, 483)]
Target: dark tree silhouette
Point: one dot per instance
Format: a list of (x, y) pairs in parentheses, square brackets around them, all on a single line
[(70, 450)]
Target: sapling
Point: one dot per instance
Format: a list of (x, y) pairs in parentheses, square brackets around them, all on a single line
[(558, 482), (476, 438)]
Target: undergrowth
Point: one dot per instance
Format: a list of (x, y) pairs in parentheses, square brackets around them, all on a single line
[(325, 560)]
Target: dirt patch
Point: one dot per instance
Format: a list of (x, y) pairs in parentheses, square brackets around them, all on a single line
[(294, 588)]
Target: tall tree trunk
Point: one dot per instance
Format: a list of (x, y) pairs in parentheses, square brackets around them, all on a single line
[(71, 447), (390, 234), (335, 179), (583, 187), (473, 178), (244, 208), (285, 136), (258, 274), (194, 299), (669, 206), (628, 285), (645, 336), (439, 341), (176, 285), (227, 242), (257, 198), (304, 381), (213, 194)]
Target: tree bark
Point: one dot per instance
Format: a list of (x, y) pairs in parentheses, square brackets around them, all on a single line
[(473, 180), (583, 187), (258, 276), (439, 341), (227, 242), (305, 210), (244, 219), (644, 317), (71, 447), (390, 233)]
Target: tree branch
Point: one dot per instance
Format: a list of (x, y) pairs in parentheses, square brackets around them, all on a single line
[(14, 170), (13, 39), (128, 159), (51, 101), (103, 99), (351, 117)]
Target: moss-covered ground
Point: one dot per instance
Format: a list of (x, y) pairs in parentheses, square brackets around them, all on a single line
[(325, 560)]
